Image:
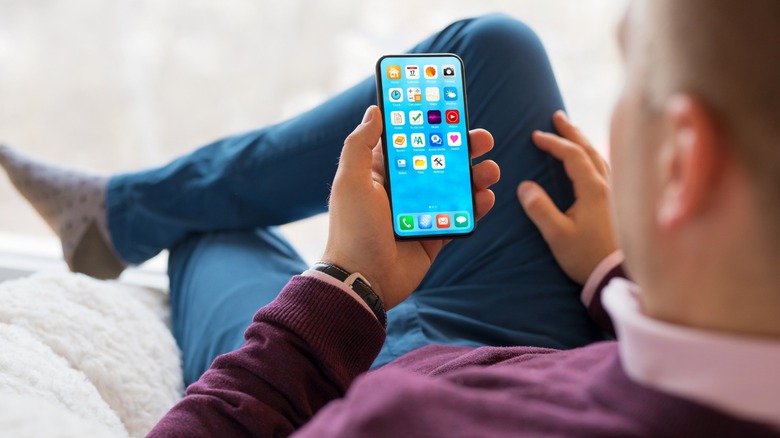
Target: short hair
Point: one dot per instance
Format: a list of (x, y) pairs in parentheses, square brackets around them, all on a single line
[(726, 53)]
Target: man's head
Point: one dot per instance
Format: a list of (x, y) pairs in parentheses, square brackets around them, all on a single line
[(696, 160)]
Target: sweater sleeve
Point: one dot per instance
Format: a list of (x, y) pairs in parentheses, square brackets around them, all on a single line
[(302, 351), (609, 268)]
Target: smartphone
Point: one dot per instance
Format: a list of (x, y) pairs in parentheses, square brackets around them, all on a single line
[(426, 145)]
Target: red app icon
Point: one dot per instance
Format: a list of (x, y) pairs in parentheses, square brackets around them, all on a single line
[(443, 220), (453, 116)]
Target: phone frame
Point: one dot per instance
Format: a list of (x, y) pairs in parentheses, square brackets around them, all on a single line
[(381, 103)]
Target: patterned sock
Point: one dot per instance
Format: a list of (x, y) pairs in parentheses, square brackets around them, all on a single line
[(73, 204)]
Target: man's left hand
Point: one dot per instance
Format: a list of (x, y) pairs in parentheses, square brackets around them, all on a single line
[(361, 236)]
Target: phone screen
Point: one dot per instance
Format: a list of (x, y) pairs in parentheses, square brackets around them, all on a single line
[(426, 146)]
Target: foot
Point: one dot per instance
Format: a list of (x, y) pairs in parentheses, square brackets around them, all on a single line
[(73, 204)]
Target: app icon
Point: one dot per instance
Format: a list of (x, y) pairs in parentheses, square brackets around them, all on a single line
[(453, 117), (412, 72), (420, 162), (414, 94), (418, 140), (416, 117), (437, 161), (397, 118), (431, 72), (394, 72), (395, 95), (406, 222), (434, 117), (432, 94), (448, 70), (442, 221), (425, 221), (450, 93), (399, 140), (400, 164), (461, 220), (454, 139), (436, 139)]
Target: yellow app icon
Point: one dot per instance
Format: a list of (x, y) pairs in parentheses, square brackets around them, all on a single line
[(420, 162), (394, 72), (399, 140)]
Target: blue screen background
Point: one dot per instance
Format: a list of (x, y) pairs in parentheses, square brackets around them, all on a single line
[(429, 192)]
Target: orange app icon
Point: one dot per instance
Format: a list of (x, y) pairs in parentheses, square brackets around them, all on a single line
[(394, 72), (399, 140), (442, 221)]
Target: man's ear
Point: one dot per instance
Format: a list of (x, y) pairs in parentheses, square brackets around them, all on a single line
[(691, 160)]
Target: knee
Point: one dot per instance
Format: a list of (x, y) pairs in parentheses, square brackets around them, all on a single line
[(503, 37)]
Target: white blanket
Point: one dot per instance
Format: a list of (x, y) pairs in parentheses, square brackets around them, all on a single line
[(80, 357)]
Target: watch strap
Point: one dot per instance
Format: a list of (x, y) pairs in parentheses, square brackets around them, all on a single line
[(359, 285)]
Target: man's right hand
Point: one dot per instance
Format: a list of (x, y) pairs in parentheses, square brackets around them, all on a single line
[(584, 235)]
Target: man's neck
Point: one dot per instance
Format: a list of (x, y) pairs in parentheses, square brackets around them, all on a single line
[(740, 303)]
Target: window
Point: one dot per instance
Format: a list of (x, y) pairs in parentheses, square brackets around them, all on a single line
[(119, 85)]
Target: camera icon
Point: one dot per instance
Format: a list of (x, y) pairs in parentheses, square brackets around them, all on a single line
[(448, 71)]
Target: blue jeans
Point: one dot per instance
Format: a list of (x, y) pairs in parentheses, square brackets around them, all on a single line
[(216, 208)]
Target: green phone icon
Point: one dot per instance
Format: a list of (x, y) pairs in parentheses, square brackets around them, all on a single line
[(406, 222), (461, 220)]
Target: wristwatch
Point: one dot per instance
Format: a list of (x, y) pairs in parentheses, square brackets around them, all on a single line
[(360, 285)]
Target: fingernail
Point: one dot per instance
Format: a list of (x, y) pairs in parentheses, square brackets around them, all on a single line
[(368, 115), (563, 114), (525, 190)]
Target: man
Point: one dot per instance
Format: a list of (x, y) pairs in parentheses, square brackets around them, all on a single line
[(215, 210), (697, 213), (694, 180)]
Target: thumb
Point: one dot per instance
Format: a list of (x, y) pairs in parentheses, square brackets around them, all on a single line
[(357, 154), (541, 210)]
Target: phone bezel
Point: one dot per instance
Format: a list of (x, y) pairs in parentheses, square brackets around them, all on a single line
[(381, 103)]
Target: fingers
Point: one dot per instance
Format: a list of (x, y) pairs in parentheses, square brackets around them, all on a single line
[(485, 174), (480, 141), (586, 179), (356, 156), (378, 164), (576, 161), (542, 211), (483, 202), (570, 132)]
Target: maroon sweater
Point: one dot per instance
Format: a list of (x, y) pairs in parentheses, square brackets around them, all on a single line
[(299, 372)]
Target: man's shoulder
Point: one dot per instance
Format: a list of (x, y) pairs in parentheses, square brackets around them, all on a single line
[(488, 391), (579, 392)]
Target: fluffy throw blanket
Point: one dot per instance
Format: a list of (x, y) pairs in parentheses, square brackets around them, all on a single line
[(80, 357)]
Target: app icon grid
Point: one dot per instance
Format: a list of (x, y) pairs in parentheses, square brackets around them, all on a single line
[(427, 118)]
